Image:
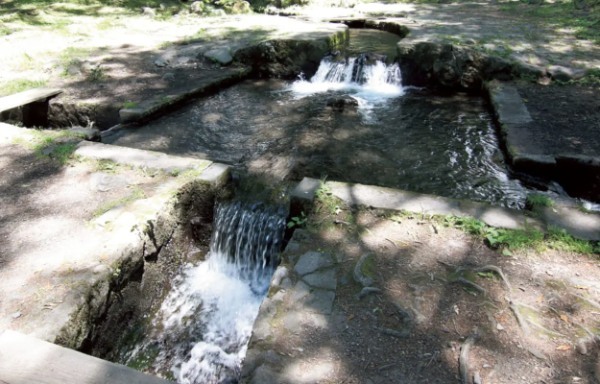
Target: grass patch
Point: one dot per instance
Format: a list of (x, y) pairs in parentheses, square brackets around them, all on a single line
[(560, 240), (19, 85), (509, 240), (536, 202)]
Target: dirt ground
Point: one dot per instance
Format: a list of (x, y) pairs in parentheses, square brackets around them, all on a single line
[(444, 309)]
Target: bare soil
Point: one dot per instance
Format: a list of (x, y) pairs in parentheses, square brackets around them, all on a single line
[(441, 291)]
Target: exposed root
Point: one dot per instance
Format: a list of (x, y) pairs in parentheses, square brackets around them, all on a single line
[(520, 319), (471, 284), (463, 360), (589, 301), (498, 271)]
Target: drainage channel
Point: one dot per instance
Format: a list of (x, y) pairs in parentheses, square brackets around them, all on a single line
[(202, 328)]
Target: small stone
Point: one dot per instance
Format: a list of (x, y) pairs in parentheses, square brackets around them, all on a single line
[(148, 11), (280, 273), (219, 55), (197, 7), (16, 315), (499, 327), (169, 76), (161, 62)]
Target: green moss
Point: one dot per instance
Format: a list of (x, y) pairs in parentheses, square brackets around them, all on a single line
[(136, 194)]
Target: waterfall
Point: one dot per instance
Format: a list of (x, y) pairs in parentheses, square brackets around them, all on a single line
[(366, 78), (201, 332)]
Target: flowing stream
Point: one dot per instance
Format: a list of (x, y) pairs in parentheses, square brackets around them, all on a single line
[(381, 133), (201, 332)]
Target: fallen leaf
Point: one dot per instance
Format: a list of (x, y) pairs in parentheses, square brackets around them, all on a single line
[(563, 347), (564, 318)]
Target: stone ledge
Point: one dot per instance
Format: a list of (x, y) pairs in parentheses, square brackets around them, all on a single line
[(162, 103), (578, 224), (24, 359)]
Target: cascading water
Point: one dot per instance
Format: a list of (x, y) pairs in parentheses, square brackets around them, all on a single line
[(201, 332), (369, 80)]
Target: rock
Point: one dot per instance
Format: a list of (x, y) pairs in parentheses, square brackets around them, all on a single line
[(161, 62), (219, 55), (86, 133), (320, 301), (340, 103), (264, 375), (528, 70), (280, 273), (311, 262), (362, 270), (322, 279), (197, 7), (560, 73), (239, 7), (169, 76), (283, 58), (147, 11), (442, 65)]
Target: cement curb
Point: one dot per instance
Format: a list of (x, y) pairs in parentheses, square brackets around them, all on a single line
[(161, 104), (579, 224)]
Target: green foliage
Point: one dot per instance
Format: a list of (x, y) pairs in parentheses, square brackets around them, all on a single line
[(536, 202), (325, 200), (63, 152), (559, 239), (130, 104), (298, 221), (517, 239), (96, 74)]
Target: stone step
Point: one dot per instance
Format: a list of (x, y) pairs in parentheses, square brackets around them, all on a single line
[(26, 360)]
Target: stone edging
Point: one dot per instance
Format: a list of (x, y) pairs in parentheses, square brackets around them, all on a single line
[(577, 223)]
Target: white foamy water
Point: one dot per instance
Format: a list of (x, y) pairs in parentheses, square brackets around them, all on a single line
[(201, 332), (224, 307), (368, 82)]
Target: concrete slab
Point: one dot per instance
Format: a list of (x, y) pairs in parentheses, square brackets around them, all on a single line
[(139, 157), (387, 198), (25, 359)]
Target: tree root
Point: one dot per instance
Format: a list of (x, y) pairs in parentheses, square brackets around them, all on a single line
[(520, 319), (463, 360), (498, 271), (471, 284)]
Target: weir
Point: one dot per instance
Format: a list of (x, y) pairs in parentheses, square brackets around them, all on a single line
[(201, 331)]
